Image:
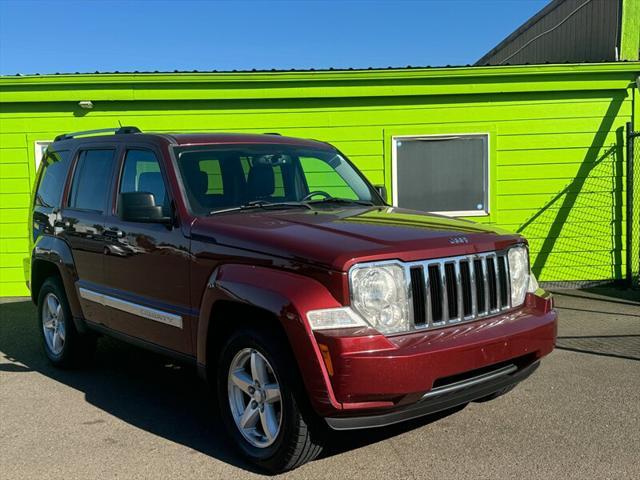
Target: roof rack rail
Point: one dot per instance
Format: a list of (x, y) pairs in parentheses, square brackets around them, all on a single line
[(115, 131), (273, 133)]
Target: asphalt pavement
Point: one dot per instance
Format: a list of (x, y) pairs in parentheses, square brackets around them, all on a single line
[(135, 415)]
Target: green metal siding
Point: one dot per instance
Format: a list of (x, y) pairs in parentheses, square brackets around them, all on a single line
[(630, 34), (556, 135)]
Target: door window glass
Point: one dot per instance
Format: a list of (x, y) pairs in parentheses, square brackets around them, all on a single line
[(91, 183), (54, 173), (141, 173)]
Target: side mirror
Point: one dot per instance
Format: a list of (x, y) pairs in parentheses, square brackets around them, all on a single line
[(141, 207), (382, 191)]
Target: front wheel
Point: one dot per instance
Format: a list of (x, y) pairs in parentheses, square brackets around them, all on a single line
[(257, 392)]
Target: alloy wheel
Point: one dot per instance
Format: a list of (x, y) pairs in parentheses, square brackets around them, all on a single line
[(53, 324), (255, 398)]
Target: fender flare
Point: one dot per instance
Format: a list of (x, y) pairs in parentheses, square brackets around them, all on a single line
[(288, 297), (56, 251)]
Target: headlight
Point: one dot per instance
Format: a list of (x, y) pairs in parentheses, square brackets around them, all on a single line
[(521, 278), (379, 295)]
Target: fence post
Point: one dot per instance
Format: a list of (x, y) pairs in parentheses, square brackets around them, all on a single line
[(631, 213)]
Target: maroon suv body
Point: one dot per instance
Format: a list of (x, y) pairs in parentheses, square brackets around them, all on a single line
[(215, 249)]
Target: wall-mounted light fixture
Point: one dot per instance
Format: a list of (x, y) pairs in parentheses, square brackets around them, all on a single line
[(88, 104)]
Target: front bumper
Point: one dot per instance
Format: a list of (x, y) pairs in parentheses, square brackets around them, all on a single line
[(375, 375), (442, 398)]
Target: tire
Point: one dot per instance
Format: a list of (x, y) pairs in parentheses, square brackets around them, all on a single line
[(298, 436), (63, 345)]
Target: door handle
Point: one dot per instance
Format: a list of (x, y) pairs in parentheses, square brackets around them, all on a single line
[(114, 233)]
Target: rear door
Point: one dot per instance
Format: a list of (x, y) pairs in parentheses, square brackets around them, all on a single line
[(82, 223), (147, 264)]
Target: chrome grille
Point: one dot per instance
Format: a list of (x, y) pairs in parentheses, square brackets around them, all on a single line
[(458, 289)]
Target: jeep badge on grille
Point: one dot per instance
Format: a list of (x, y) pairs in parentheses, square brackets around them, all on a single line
[(458, 240)]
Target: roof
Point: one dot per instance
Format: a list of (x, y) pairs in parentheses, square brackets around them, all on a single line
[(344, 84), (562, 31), (330, 70), (247, 70), (197, 138), (243, 138)]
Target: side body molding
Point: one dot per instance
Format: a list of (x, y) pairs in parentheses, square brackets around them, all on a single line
[(288, 296), (56, 251)]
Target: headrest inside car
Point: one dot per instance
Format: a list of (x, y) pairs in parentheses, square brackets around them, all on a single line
[(261, 181)]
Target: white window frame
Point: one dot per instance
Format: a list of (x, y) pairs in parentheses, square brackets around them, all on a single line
[(486, 211), (39, 147)]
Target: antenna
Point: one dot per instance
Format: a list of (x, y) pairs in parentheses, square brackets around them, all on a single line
[(120, 123)]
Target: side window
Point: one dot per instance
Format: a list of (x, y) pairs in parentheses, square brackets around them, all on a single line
[(322, 177), (90, 187), (141, 173), (54, 173)]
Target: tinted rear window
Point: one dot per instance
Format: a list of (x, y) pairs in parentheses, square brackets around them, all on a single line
[(54, 173), (91, 180)]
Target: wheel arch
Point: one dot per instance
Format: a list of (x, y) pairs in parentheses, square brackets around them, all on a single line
[(41, 269), (274, 296), (243, 314), (52, 256)]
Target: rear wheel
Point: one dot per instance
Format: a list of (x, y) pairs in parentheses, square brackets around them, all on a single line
[(259, 393), (63, 344)]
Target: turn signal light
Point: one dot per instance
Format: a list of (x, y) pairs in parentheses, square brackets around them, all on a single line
[(324, 350)]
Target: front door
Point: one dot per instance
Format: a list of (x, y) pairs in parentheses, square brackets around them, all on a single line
[(147, 264)]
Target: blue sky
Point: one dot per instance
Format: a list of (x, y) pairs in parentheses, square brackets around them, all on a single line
[(68, 36)]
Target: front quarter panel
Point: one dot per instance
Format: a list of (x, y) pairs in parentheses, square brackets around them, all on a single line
[(288, 296)]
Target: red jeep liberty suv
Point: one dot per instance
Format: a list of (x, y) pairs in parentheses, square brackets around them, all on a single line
[(277, 269)]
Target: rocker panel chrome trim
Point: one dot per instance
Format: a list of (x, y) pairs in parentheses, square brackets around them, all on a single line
[(133, 308)]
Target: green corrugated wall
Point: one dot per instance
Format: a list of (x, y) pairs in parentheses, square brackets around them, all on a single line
[(556, 133)]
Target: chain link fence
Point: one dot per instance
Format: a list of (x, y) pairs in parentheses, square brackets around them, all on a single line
[(633, 207)]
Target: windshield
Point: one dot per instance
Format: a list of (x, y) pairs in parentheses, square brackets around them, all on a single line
[(223, 177)]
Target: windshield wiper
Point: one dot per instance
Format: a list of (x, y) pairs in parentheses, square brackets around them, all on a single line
[(261, 204), (345, 201)]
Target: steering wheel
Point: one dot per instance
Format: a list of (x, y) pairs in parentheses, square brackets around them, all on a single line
[(310, 195)]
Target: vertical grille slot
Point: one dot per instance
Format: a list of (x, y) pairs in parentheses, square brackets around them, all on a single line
[(465, 280), (435, 287), (480, 274), (493, 284), (502, 277), (452, 291), (418, 295)]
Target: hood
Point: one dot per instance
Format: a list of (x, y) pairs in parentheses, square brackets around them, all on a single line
[(338, 238)]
